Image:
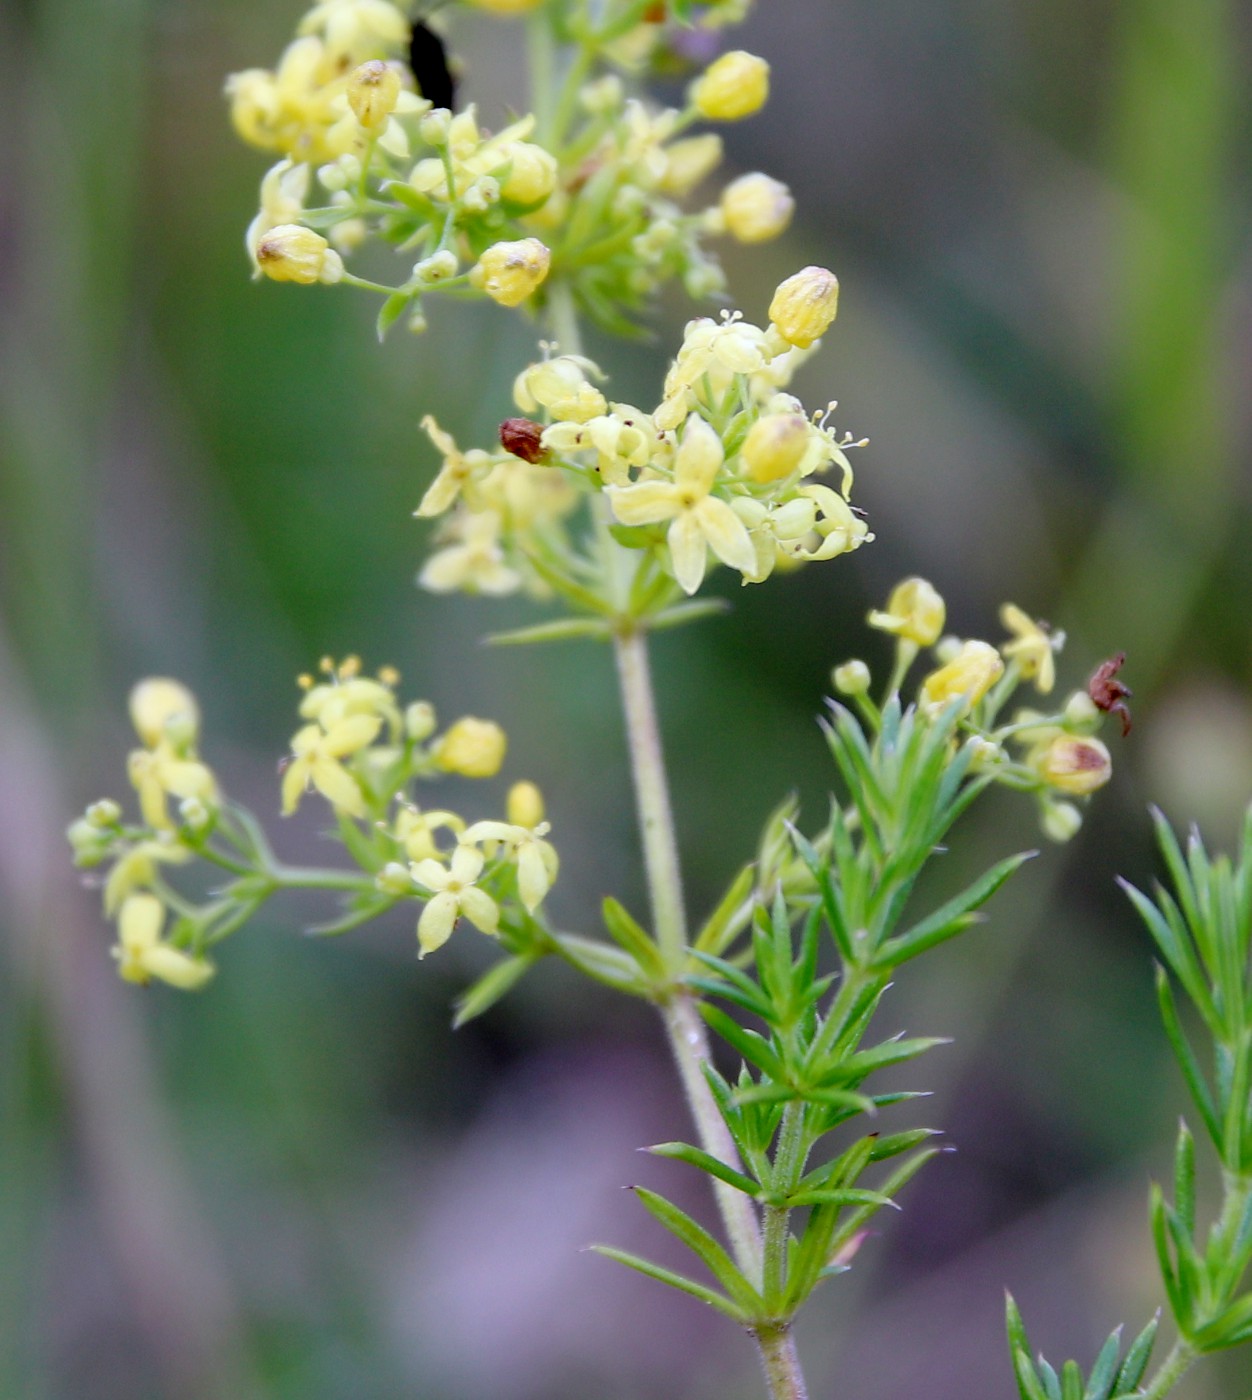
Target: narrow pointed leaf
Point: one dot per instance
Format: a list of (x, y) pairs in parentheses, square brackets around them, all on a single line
[(495, 983), (679, 1281), (706, 1162), (1136, 1363), (704, 1246)]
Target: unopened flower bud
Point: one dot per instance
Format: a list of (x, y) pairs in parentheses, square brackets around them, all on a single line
[(373, 90), (805, 305), (436, 268), (394, 879), (510, 272), (434, 127), (603, 95), (1075, 765), (775, 446), (88, 842), (104, 813), (532, 174), (523, 437), (733, 87), (419, 720), (293, 253), (524, 805), (852, 678), (1081, 715), (756, 208), (474, 748), (689, 161), (158, 701), (1060, 820), (195, 813)]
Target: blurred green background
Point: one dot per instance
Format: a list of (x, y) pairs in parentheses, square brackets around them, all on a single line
[(303, 1184)]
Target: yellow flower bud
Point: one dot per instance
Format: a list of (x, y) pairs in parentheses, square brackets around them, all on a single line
[(852, 678), (968, 676), (474, 748), (1075, 765), (373, 90), (805, 305), (510, 272), (157, 701), (915, 612), (689, 161), (1060, 821), (775, 446), (104, 813), (756, 208), (419, 720), (735, 86), (292, 253), (524, 805), (532, 173)]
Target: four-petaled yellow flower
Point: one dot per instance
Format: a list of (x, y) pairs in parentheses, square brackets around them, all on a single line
[(915, 612), (141, 955), (700, 520), (160, 773), (317, 762), (536, 858), (454, 893), (459, 470), (415, 830), (1032, 647), (968, 676)]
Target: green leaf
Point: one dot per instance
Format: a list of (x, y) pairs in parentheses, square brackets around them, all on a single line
[(1185, 1056), (1230, 1329), (679, 1281), (360, 912), (704, 1246), (566, 629), (1184, 1179), (1104, 1372), (706, 1162), (682, 613), (495, 983), (1015, 1326), (601, 962), (753, 1047), (731, 916), (849, 1196), (1071, 1381), (392, 309), (630, 935), (1176, 947), (952, 918), (1136, 1363), (1028, 1383), (1178, 1303)]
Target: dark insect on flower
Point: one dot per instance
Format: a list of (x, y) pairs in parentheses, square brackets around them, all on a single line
[(523, 438), (428, 58), (1108, 693)]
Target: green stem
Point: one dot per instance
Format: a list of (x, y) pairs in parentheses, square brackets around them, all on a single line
[(656, 821), (781, 1363), (541, 55), (789, 1162), (690, 1046), (290, 877), (1170, 1372)]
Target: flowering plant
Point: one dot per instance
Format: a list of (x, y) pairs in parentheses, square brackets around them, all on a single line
[(612, 515)]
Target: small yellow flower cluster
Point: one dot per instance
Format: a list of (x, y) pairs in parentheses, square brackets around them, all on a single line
[(594, 199), (1061, 756), (725, 465), (167, 720)]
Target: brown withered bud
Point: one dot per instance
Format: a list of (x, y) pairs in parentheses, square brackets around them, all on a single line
[(655, 13), (1108, 693), (523, 437)]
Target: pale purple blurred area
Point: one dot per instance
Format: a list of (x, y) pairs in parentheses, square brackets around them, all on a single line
[(303, 1184)]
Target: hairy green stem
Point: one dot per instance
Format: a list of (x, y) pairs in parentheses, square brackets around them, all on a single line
[(789, 1162), (781, 1363), (1170, 1372), (656, 821)]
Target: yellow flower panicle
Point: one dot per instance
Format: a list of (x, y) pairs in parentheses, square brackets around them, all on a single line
[(733, 87)]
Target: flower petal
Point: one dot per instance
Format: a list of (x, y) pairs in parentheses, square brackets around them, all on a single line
[(438, 920), (480, 909), (688, 551), (646, 503), (725, 534)]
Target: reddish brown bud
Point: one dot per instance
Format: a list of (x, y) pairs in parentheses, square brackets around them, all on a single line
[(523, 437), (654, 14), (1108, 693)]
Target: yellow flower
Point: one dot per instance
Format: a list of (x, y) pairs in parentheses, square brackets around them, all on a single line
[(296, 109), (700, 520), (689, 161), (562, 386), (1032, 647), (510, 272), (283, 192), (136, 869), (141, 955), (455, 893), (473, 560), (157, 701), (1073, 764), (506, 7), (734, 86), (756, 208), (915, 612), (805, 305), (839, 530), (415, 830), (293, 253), (316, 761), (160, 773), (349, 693), (968, 676), (474, 748), (458, 471), (537, 861), (373, 91), (357, 29)]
